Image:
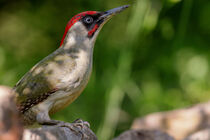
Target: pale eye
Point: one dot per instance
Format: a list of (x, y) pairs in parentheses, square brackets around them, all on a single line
[(88, 20)]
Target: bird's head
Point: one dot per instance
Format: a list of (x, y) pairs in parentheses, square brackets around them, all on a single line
[(85, 26)]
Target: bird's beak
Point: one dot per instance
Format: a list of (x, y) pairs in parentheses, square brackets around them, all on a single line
[(105, 16), (108, 14)]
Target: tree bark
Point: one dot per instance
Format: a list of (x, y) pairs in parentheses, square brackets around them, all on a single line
[(57, 133), (11, 128), (178, 123), (144, 135)]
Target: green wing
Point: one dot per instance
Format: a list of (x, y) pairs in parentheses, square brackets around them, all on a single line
[(43, 78), (32, 86)]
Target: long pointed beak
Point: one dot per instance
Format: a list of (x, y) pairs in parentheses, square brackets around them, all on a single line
[(108, 14)]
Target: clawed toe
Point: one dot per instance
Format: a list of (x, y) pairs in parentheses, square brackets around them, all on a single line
[(72, 127), (81, 123)]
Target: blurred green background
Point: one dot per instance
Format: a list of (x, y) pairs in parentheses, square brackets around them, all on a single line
[(152, 57)]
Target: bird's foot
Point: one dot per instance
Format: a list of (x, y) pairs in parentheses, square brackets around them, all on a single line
[(77, 126), (71, 126), (81, 123)]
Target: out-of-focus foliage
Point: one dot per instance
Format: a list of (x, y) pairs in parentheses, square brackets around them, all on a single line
[(152, 57)]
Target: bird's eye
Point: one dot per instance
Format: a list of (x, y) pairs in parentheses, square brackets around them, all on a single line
[(88, 20)]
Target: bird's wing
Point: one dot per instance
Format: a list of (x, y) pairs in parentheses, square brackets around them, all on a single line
[(32, 86), (43, 79)]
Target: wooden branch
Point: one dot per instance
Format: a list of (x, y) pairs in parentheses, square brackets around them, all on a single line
[(57, 133), (178, 123), (144, 135), (200, 135), (11, 129)]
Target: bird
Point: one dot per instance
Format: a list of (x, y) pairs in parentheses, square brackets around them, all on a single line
[(58, 79)]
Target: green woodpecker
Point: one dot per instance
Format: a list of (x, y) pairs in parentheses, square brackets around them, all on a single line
[(57, 80)]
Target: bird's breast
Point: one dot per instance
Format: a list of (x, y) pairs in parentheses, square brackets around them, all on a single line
[(75, 82)]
